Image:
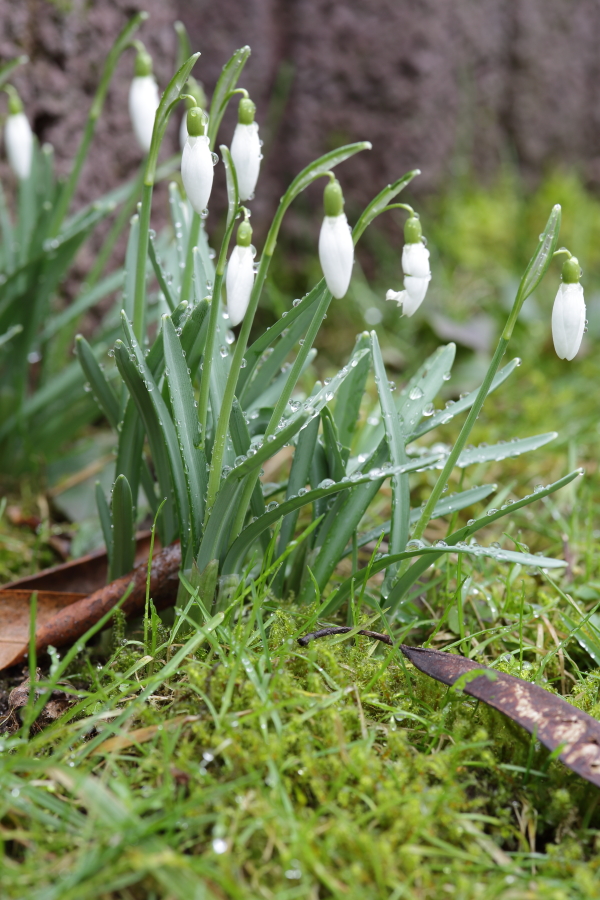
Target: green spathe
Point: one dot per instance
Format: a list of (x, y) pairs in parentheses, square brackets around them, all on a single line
[(333, 199), (195, 122), (571, 271), (413, 232), (143, 64), (244, 234), (246, 111)]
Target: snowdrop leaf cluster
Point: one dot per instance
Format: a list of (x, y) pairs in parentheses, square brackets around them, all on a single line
[(214, 407)]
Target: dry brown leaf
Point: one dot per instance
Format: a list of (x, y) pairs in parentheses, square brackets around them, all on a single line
[(74, 596), (121, 741)]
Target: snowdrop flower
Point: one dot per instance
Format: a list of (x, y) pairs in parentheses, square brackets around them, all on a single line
[(240, 275), (195, 97), (245, 149), (568, 312), (18, 136), (197, 161), (336, 248), (143, 100), (415, 265)]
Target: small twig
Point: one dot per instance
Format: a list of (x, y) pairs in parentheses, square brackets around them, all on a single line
[(344, 629)]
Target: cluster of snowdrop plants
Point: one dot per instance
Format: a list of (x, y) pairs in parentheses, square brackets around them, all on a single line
[(202, 409), (199, 409), (43, 400)]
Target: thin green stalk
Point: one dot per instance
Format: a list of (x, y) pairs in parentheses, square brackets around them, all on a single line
[(113, 235), (139, 296), (66, 194), (281, 404), (216, 465), (186, 283), (170, 99), (461, 440), (211, 333)]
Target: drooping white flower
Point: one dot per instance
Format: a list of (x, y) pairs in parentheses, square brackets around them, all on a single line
[(196, 163), (143, 100), (568, 312), (246, 149), (415, 266), (240, 275), (336, 248), (18, 138)]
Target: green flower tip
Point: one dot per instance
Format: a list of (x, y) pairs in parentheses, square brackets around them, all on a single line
[(14, 101), (246, 111), (571, 271), (333, 199), (143, 64), (195, 90), (244, 234), (195, 121), (413, 233)]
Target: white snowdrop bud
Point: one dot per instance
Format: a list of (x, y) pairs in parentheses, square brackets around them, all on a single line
[(246, 149), (240, 275), (143, 100), (415, 265), (336, 248), (18, 137), (568, 312), (197, 163)]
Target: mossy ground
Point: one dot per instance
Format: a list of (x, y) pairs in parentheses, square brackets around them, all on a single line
[(269, 770)]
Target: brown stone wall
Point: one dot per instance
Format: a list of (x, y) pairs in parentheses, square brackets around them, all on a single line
[(437, 84)]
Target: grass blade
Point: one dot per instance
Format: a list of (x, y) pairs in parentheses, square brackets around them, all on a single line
[(186, 423)]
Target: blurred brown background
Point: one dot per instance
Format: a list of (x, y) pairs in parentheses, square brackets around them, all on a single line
[(442, 84)]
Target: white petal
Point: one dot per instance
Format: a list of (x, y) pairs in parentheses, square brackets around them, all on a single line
[(19, 144), (395, 295), (416, 288), (336, 253), (415, 260), (183, 132), (568, 320), (143, 103), (239, 282), (246, 155), (197, 171)]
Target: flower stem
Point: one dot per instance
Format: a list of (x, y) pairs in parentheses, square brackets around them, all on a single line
[(66, 194), (461, 440), (186, 284), (139, 297), (281, 404)]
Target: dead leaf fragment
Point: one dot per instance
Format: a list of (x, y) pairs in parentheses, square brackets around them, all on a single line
[(140, 735), (555, 723)]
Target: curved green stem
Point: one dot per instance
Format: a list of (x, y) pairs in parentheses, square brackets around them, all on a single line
[(281, 404), (66, 194), (211, 333), (186, 283), (169, 101)]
